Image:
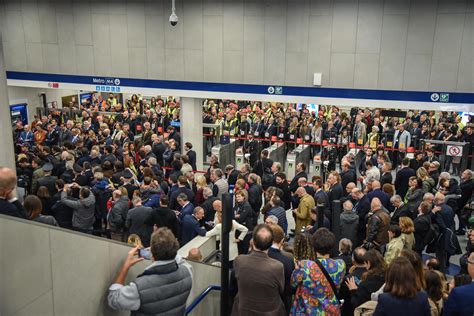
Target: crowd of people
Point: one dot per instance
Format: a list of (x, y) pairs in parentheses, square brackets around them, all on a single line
[(122, 175)]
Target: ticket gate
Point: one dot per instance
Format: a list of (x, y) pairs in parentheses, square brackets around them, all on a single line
[(239, 158), (299, 154), (316, 168), (276, 153), (304, 155), (225, 153), (290, 165)]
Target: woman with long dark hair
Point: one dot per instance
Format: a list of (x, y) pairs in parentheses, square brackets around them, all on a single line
[(372, 280), (401, 295)]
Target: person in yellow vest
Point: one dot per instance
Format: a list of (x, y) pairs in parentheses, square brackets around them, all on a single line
[(373, 138), (303, 212)]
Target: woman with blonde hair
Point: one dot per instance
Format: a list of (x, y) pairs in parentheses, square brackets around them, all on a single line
[(201, 183), (217, 230), (408, 228), (428, 183)]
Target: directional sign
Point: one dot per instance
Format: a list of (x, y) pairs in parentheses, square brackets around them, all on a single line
[(454, 151)]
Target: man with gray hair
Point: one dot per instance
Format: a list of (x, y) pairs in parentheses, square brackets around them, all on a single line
[(271, 219), (191, 227), (349, 222), (186, 206), (400, 209), (209, 199), (220, 184)]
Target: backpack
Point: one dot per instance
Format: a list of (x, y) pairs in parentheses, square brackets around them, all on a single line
[(431, 237), (451, 243), (267, 176)]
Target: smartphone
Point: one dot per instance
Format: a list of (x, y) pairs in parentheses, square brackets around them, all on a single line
[(144, 253)]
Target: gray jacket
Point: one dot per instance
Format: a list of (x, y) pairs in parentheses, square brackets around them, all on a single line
[(349, 226), (163, 290), (84, 210), (118, 213)]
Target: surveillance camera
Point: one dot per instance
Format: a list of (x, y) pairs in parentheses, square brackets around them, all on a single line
[(173, 19)]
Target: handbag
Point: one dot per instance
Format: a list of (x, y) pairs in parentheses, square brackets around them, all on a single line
[(328, 277)]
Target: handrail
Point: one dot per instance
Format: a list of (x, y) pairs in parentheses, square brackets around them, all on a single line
[(201, 296)]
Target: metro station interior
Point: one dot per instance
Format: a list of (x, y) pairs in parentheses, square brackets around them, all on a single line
[(249, 157)]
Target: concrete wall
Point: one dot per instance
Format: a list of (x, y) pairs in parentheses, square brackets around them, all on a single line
[(377, 44), (49, 271)]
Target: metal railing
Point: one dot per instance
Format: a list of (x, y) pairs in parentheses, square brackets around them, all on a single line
[(201, 296)]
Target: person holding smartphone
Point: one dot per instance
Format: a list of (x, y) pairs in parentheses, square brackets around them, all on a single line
[(147, 294)]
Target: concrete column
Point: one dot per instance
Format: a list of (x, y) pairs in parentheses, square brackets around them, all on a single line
[(191, 127), (7, 156)]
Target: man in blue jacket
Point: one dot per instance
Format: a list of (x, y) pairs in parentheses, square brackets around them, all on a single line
[(461, 298), (190, 227)]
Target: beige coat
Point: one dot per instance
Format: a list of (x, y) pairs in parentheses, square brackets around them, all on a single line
[(303, 213)]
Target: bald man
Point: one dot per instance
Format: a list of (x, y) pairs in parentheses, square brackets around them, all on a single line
[(9, 204), (378, 224), (378, 193), (303, 212)]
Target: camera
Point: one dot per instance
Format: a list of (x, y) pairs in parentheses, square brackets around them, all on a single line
[(173, 19)]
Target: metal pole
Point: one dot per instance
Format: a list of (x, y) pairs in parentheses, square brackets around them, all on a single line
[(226, 228), (320, 216), (335, 218)]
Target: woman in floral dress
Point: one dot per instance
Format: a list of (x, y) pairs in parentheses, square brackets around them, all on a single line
[(314, 295)]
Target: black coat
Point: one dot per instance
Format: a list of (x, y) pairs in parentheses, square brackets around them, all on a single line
[(209, 211), (163, 217), (422, 227), (400, 212), (386, 178), (294, 181), (348, 177), (288, 266), (192, 159), (389, 305), (401, 180), (336, 192), (14, 209), (286, 193), (370, 285), (255, 197)]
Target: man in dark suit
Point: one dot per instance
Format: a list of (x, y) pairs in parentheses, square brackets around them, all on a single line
[(187, 208), (377, 193), (460, 299), (275, 252), (467, 187), (127, 180), (348, 174), (191, 154), (9, 205), (158, 149), (231, 174), (386, 176), (182, 182), (48, 180), (300, 173), (361, 208), (190, 227), (162, 216), (402, 178), (207, 205), (260, 279), (400, 210), (320, 197)]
